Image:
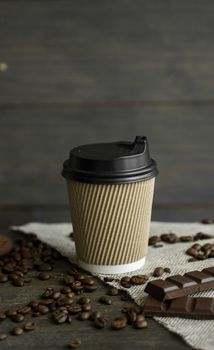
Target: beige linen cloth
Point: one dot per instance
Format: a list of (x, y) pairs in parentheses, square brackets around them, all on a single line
[(199, 334)]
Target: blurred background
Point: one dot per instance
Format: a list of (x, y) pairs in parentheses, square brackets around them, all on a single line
[(79, 71)]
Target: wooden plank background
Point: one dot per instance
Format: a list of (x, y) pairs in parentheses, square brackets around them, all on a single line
[(88, 71)]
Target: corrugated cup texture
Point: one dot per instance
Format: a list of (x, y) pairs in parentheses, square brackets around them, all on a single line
[(111, 222)]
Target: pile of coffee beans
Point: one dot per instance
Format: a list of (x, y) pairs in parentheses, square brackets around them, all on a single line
[(173, 238), (66, 304), (200, 252)]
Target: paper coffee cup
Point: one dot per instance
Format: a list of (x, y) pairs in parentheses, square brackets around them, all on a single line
[(110, 188)]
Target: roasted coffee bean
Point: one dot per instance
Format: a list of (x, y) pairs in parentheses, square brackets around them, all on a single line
[(2, 316), (140, 322), (196, 246), (105, 300), (10, 313), (24, 310), (2, 336), (74, 344), (125, 282), (18, 282), (192, 259), (70, 295), (60, 316), (43, 276), (48, 293), (18, 318), (3, 278), (17, 331), (167, 270), (119, 323), (131, 315), (154, 240), (108, 279), (74, 309), (84, 300), (86, 307), (201, 235), (88, 280), (100, 322), (65, 290), (90, 288), (113, 291), (42, 309), (64, 301), (96, 314), (44, 267), (207, 221), (13, 276), (76, 286), (158, 271), (68, 279), (30, 326), (80, 276), (56, 295), (192, 252), (84, 315), (33, 304), (47, 302), (206, 247), (186, 238), (139, 279)]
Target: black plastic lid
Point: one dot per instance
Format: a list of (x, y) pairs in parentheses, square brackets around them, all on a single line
[(115, 162)]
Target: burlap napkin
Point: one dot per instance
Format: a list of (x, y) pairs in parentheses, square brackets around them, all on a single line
[(198, 334)]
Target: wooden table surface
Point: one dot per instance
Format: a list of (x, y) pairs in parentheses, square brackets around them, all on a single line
[(74, 72)]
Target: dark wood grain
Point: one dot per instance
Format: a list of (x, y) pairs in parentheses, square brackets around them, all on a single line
[(34, 143), (87, 51), (51, 336)]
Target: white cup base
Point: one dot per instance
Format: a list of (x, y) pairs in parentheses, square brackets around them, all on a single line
[(112, 269)]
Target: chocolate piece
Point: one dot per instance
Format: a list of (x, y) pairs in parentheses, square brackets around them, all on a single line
[(177, 286), (185, 307)]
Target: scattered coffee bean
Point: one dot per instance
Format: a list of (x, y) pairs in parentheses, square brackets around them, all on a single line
[(140, 322), (65, 290), (84, 300), (158, 271), (95, 314), (74, 344), (74, 309), (100, 322), (17, 331), (29, 326), (42, 309), (68, 279), (139, 279), (167, 270), (125, 282), (3, 278), (86, 307), (113, 291), (18, 282), (24, 310), (84, 315), (186, 238), (153, 240), (60, 316), (10, 313), (207, 221), (105, 300), (108, 279), (119, 323), (199, 252), (2, 316), (44, 267), (17, 318), (2, 336), (43, 276)]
